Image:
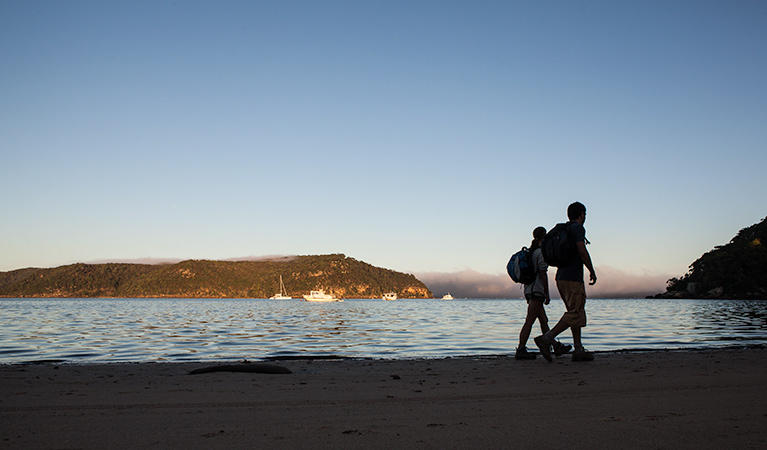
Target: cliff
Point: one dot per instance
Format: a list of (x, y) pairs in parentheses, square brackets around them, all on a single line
[(345, 277), (737, 270)]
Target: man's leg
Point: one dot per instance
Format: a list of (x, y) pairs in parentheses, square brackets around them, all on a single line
[(562, 325), (545, 340), (576, 318), (577, 338)]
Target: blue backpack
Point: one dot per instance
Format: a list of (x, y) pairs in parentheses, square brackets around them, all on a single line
[(520, 267)]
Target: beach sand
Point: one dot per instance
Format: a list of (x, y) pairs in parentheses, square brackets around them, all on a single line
[(697, 399)]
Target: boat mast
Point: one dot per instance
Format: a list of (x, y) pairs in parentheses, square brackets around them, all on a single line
[(282, 288)]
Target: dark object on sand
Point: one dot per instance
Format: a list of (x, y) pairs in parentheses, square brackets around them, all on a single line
[(247, 367)]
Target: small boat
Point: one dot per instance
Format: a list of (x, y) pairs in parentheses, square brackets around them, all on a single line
[(282, 295), (390, 296), (447, 296), (321, 296)]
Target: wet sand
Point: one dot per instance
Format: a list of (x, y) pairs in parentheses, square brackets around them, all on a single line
[(707, 399)]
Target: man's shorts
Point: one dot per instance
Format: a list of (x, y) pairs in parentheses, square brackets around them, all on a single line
[(573, 293)]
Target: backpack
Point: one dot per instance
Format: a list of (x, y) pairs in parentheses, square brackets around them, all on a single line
[(557, 246), (520, 267)]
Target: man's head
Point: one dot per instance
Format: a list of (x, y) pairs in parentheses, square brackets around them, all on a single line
[(575, 210)]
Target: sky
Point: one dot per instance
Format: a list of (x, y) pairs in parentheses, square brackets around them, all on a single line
[(429, 137)]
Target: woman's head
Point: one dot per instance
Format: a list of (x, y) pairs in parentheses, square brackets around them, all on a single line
[(538, 235)]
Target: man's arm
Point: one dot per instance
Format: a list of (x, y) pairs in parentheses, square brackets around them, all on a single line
[(586, 258)]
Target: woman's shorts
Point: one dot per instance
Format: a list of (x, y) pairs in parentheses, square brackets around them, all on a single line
[(535, 298)]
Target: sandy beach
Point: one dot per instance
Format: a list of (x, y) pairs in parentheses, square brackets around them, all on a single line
[(644, 400)]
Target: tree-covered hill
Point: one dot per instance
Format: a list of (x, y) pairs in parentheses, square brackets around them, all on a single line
[(341, 275), (737, 270)]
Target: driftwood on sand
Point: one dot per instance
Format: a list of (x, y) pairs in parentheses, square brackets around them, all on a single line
[(244, 367)]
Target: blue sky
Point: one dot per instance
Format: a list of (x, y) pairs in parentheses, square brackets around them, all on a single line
[(426, 137)]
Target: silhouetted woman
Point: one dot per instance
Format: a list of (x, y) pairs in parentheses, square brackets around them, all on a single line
[(537, 295)]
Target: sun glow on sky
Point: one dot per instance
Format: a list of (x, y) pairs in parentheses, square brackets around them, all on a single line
[(420, 136)]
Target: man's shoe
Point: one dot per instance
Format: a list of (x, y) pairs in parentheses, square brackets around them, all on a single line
[(522, 353), (540, 341), (561, 349), (582, 355)]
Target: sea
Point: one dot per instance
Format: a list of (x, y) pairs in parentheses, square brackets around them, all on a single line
[(173, 330)]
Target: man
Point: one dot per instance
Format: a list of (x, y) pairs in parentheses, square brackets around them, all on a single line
[(572, 289)]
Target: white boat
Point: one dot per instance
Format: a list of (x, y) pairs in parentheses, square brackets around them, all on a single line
[(447, 296), (390, 296), (282, 295), (321, 296)]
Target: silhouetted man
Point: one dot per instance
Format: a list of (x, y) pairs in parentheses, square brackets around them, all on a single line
[(572, 288)]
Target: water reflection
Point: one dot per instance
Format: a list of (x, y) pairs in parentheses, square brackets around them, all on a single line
[(176, 330)]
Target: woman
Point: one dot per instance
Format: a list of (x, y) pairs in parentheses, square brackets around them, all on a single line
[(537, 295)]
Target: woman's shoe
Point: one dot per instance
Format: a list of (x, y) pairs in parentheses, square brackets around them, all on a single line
[(524, 354), (561, 349)]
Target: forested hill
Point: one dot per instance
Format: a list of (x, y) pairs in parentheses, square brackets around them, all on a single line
[(737, 270), (343, 276)]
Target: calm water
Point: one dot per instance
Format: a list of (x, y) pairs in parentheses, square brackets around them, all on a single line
[(112, 330)]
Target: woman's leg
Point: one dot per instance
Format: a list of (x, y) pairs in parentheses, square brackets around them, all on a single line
[(534, 311), (543, 319)]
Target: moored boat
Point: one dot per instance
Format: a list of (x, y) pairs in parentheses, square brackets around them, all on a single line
[(282, 295), (390, 296), (447, 296), (321, 296)]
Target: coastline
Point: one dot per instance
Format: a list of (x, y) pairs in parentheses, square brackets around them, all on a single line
[(703, 398)]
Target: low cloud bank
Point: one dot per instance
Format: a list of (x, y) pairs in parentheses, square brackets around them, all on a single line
[(157, 261), (150, 261), (470, 284), (284, 258), (616, 283), (612, 283)]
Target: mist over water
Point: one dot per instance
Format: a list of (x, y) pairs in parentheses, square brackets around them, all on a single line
[(121, 330), (613, 283)]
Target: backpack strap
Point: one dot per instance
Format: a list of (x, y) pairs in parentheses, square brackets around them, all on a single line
[(585, 240)]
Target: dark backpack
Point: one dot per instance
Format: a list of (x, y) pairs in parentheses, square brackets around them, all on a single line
[(558, 247), (520, 267)]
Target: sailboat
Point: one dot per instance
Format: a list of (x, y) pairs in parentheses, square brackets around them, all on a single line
[(282, 295)]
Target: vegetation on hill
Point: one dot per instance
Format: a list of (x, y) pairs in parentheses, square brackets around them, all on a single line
[(735, 270), (343, 276)]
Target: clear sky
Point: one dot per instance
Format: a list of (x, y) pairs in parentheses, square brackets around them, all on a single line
[(421, 136)]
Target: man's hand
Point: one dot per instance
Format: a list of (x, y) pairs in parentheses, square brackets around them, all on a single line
[(586, 258)]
